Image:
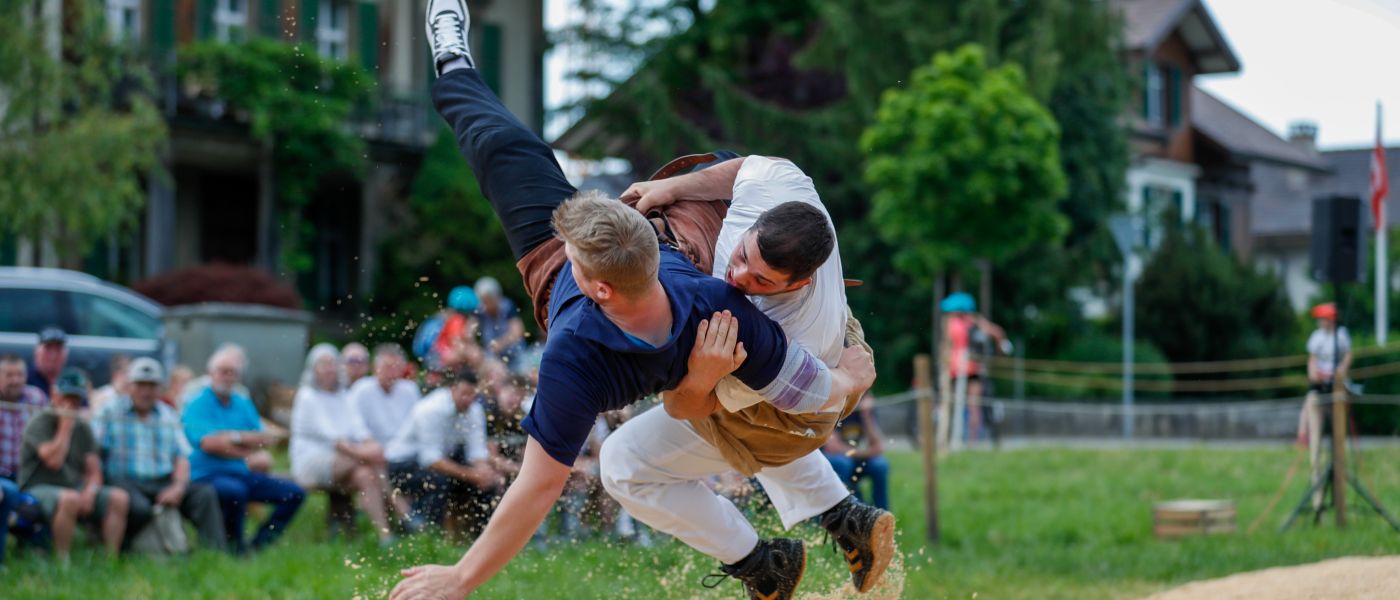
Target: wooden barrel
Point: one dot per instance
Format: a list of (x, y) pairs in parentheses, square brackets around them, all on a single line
[(1178, 518)]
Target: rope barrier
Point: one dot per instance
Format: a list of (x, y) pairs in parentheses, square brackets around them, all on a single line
[(1151, 408), (1178, 368)]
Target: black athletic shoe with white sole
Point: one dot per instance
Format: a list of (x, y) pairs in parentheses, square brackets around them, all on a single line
[(865, 535), (771, 572), (446, 24)]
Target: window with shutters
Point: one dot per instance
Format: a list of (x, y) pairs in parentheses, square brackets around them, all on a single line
[(231, 20), (124, 20), (1152, 94), (333, 29)]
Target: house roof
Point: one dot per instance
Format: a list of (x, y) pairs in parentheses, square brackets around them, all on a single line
[(1243, 137), (1281, 209), (1146, 23)]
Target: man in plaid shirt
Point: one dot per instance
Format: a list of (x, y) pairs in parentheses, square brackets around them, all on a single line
[(17, 402), (144, 451)]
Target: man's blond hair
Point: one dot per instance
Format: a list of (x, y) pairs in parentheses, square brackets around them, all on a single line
[(612, 241)]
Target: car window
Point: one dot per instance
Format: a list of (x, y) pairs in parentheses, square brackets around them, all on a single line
[(28, 311), (100, 316)]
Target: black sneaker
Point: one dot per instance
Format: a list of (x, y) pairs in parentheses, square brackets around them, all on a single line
[(865, 535), (447, 23), (772, 572)]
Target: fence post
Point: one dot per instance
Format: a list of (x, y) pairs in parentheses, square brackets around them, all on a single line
[(1339, 446), (923, 384)]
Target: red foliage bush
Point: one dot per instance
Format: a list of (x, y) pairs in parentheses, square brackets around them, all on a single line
[(219, 282)]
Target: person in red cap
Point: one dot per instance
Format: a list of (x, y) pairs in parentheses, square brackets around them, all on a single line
[(1329, 354)]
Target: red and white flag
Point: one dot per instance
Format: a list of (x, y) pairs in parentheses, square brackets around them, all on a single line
[(1380, 187), (1380, 180)]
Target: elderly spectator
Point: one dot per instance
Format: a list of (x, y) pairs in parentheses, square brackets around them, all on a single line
[(440, 455), (331, 448), (50, 356), (117, 368), (502, 331), (13, 390), (180, 378), (145, 453), (354, 359), (60, 466), (385, 400), (856, 451), (227, 435)]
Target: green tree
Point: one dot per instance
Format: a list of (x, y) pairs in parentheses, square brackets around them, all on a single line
[(965, 164), (297, 104), (802, 79), (1196, 302), (78, 130)]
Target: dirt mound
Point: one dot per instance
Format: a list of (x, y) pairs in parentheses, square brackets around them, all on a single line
[(1351, 578)]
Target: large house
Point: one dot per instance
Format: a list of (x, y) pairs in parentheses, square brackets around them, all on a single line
[(219, 202), (1251, 188)]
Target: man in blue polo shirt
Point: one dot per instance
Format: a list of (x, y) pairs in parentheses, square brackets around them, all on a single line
[(224, 430), (622, 315)]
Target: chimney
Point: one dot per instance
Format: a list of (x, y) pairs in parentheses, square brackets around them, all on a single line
[(1303, 134)]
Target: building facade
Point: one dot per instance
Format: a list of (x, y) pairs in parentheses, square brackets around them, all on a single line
[(216, 201)]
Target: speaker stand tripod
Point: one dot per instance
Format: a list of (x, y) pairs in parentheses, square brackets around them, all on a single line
[(1324, 486)]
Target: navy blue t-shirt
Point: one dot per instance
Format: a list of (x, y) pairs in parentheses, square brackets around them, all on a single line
[(590, 366)]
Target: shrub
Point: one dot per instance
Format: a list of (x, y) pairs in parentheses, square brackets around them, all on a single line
[(220, 282)]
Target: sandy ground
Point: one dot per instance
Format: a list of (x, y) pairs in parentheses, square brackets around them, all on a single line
[(1356, 577)]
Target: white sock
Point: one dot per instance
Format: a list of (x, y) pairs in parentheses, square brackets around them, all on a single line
[(457, 62)]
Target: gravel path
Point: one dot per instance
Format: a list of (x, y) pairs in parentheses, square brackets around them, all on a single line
[(1351, 578)]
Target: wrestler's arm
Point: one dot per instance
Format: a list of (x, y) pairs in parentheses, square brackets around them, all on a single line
[(559, 423), (525, 505), (717, 353), (785, 374), (713, 183)]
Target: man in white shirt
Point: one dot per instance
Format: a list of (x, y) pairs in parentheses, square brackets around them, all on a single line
[(777, 245), (385, 400), (440, 456)]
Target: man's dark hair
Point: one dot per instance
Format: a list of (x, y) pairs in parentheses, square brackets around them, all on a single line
[(795, 238), (10, 358), (462, 375)]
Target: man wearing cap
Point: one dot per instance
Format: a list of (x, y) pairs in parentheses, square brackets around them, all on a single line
[(60, 466), (144, 452), (50, 356), (1329, 354)]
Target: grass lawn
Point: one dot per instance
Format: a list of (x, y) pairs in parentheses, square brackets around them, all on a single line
[(1022, 524)]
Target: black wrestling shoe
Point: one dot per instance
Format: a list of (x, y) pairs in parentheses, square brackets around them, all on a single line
[(771, 572), (865, 535), (447, 23)]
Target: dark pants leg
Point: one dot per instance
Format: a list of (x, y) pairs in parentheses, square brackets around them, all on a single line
[(286, 498), (201, 506), (141, 507), (877, 471), (514, 167), (233, 505), (10, 491)]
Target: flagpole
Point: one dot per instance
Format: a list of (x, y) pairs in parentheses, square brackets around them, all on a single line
[(1378, 191)]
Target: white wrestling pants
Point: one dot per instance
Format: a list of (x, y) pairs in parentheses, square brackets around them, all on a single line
[(656, 467)]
